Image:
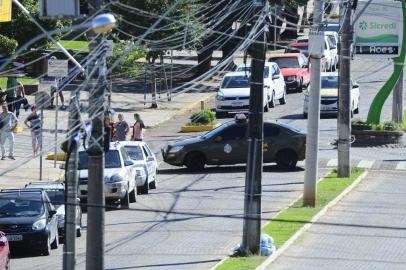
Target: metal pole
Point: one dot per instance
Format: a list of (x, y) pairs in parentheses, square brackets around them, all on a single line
[(40, 145), (145, 84), (274, 28), (344, 96), (171, 87), (312, 141), (253, 179), (71, 184), (95, 199), (56, 123), (397, 106)]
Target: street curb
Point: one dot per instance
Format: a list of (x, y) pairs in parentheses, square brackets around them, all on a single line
[(183, 110), (294, 237)]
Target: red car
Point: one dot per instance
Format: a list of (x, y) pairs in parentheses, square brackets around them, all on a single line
[(298, 47), (4, 252), (295, 70)]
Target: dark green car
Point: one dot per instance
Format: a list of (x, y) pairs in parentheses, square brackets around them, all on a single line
[(228, 145)]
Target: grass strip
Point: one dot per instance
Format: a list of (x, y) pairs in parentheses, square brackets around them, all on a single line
[(23, 80), (73, 45), (290, 220), (404, 119)]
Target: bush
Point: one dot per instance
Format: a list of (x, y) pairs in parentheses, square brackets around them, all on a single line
[(391, 126), (363, 125), (204, 117), (360, 125), (7, 45)]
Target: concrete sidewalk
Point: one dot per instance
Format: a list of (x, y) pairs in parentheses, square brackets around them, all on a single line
[(366, 230), (25, 168)]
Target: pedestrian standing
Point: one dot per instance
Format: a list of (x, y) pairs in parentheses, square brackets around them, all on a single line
[(34, 123), (60, 94), (138, 128), (21, 99), (11, 93), (121, 128), (8, 122)]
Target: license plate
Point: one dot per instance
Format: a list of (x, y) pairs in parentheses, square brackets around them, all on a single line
[(237, 104), (326, 108), (14, 237)]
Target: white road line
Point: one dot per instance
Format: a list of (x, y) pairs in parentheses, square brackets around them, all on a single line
[(401, 165), (366, 164), (332, 162)]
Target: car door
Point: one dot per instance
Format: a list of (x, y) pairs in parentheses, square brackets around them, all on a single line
[(150, 161), (305, 70), (229, 146), (278, 80), (130, 169), (270, 146), (51, 220)]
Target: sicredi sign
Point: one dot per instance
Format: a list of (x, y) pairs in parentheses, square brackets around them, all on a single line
[(378, 27)]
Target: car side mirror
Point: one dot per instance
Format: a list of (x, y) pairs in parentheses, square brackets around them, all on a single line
[(274, 77), (128, 163), (150, 159), (218, 139), (52, 213)]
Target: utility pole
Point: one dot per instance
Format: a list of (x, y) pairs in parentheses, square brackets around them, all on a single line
[(344, 95), (397, 104), (95, 199), (312, 140), (71, 183), (253, 179)]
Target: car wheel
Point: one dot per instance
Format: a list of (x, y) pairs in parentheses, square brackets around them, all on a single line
[(286, 159), (300, 86), (133, 196), (305, 115), (219, 115), (47, 248), (282, 100), (79, 231), (272, 101), (55, 243), (152, 185), (194, 161), (145, 187), (356, 111), (125, 202), (8, 263)]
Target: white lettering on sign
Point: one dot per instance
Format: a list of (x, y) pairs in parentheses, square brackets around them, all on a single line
[(57, 68)]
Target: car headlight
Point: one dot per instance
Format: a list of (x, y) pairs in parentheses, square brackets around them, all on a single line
[(114, 178), (39, 225), (291, 78), (139, 172), (220, 97), (175, 149)]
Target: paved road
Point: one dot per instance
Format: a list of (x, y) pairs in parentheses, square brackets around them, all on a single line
[(366, 230), (192, 220)]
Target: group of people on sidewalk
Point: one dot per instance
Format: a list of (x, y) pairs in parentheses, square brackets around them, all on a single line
[(120, 129)]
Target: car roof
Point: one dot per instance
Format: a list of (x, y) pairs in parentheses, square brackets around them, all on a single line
[(235, 74), (113, 146), (46, 185), (132, 143), (329, 74), (21, 192), (286, 55), (267, 63)]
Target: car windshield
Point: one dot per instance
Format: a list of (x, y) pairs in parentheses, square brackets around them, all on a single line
[(248, 69), (297, 49), (286, 62), (20, 205), (332, 40), (332, 27), (236, 82), (56, 196), (329, 82), (135, 152), (217, 130), (112, 160)]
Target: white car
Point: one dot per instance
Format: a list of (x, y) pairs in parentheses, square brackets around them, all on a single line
[(329, 95), (273, 82), (145, 164), (119, 175), (234, 94), (334, 39), (330, 59)]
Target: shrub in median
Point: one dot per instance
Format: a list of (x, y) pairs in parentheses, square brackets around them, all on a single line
[(204, 117)]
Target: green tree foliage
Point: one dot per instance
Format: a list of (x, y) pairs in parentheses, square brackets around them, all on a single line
[(128, 67), (7, 45), (22, 29)]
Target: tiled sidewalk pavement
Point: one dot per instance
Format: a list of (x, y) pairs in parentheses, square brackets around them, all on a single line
[(366, 230)]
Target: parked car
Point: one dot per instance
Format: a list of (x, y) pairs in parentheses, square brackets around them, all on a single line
[(298, 47), (330, 56), (332, 26), (295, 70), (329, 95), (56, 193), (4, 252), (228, 144), (146, 165), (119, 176), (28, 218), (334, 39), (330, 53), (234, 94), (273, 82)]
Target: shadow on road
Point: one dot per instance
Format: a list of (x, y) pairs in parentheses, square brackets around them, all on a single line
[(164, 264), (226, 169)]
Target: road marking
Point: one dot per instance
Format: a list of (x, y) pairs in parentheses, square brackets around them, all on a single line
[(332, 162), (401, 165), (366, 164)]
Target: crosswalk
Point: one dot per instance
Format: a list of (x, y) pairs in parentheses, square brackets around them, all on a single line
[(398, 165)]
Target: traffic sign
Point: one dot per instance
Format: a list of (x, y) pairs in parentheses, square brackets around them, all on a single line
[(57, 68), (5, 10), (378, 28)]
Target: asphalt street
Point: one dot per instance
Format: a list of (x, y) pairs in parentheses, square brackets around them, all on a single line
[(191, 221)]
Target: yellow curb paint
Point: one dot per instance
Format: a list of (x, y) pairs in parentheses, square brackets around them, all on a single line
[(59, 156), (198, 128)]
